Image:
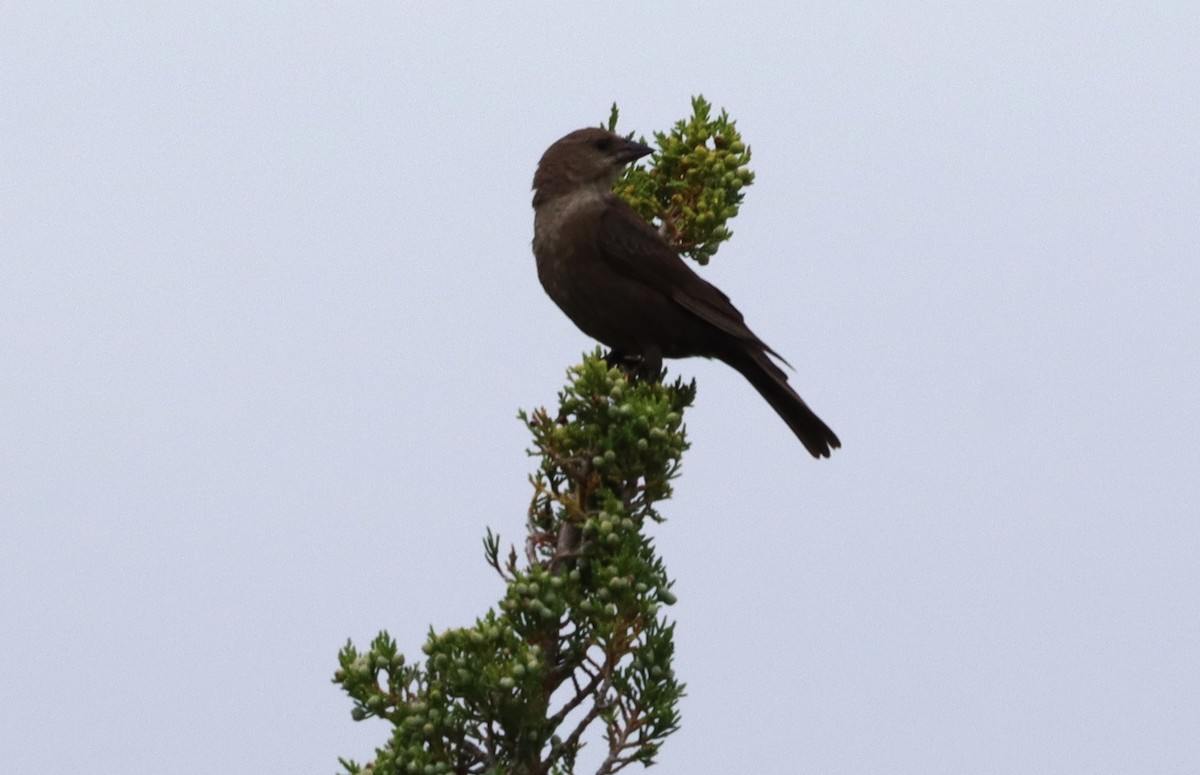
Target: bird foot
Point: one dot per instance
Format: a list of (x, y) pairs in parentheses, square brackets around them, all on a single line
[(635, 367)]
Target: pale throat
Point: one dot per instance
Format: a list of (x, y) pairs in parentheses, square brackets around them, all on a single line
[(552, 215)]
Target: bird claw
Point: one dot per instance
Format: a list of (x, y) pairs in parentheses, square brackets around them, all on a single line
[(636, 368)]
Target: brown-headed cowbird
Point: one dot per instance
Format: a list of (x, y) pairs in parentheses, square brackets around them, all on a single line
[(615, 276)]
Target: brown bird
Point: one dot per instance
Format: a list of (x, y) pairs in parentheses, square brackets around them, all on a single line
[(615, 276)]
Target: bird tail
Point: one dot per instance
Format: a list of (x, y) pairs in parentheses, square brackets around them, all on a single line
[(771, 383)]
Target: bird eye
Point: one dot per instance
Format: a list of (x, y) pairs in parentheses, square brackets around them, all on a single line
[(604, 143)]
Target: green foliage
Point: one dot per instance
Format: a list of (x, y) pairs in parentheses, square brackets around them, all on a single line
[(580, 638), (579, 641), (695, 182)]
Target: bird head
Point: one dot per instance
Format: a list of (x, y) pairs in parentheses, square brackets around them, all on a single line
[(585, 159)]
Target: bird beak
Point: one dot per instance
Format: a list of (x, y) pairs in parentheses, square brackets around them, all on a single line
[(631, 151)]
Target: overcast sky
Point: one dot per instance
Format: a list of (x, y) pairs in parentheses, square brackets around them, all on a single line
[(268, 311)]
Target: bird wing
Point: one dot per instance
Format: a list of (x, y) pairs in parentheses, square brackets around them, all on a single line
[(634, 248)]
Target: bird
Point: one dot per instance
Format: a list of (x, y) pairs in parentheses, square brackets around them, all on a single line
[(616, 277)]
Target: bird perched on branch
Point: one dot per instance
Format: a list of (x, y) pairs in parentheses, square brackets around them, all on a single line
[(615, 276)]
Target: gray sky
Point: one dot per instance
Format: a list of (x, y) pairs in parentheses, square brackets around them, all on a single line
[(268, 310)]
